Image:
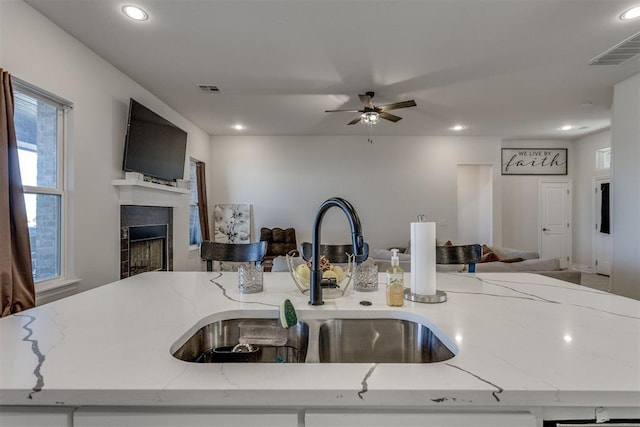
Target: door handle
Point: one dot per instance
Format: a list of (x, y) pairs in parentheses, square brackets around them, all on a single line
[(546, 229)]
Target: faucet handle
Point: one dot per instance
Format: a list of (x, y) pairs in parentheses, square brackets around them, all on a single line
[(361, 257)]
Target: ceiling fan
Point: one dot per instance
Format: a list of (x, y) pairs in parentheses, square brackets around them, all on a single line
[(371, 113)]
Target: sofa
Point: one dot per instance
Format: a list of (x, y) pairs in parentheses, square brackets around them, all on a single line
[(503, 260)]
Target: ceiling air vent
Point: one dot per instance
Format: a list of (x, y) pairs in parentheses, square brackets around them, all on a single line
[(620, 53), (209, 88)]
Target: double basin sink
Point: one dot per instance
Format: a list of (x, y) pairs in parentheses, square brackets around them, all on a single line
[(335, 340)]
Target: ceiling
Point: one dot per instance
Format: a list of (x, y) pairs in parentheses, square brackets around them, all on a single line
[(510, 68)]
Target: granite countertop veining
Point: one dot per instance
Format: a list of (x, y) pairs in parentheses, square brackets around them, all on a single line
[(521, 340)]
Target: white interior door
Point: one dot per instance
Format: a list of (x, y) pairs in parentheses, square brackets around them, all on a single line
[(602, 239), (555, 220)]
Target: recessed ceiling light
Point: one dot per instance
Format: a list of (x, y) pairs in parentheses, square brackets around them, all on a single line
[(239, 126), (632, 13), (566, 127), (458, 127), (135, 13)]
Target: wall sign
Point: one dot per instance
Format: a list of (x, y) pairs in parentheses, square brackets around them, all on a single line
[(534, 161)]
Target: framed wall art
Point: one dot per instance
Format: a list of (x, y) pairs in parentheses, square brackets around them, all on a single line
[(232, 223), (534, 161)]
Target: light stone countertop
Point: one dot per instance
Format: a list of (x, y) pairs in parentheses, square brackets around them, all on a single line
[(521, 340)]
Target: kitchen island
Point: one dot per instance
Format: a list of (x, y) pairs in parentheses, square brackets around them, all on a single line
[(527, 348)]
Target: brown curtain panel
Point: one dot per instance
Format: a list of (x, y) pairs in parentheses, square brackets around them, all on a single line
[(203, 209), (16, 280)]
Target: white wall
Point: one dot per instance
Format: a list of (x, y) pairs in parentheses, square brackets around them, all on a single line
[(625, 186), (1, 33), (583, 193), (37, 51), (475, 204), (520, 198), (389, 182)]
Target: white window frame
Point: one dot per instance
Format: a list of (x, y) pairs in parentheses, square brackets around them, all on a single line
[(600, 155), (56, 287)]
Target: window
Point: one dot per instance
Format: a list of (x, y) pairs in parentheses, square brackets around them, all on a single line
[(195, 235), (603, 158), (39, 121)]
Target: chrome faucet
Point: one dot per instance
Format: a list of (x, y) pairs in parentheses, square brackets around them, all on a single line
[(360, 251)]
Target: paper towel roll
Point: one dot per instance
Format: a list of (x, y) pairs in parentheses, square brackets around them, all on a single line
[(423, 258)]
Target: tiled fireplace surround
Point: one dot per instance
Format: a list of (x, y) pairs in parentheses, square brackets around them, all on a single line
[(146, 239)]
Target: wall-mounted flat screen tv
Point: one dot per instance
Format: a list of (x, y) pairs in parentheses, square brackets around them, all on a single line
[(153, 146)]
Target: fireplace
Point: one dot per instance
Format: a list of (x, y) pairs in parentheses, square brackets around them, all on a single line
[(146, 239), (147, 249)]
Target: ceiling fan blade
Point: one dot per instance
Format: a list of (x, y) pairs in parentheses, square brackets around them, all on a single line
[(343, 111), (389, 116), (396, 105), (366, 100), (355, 121)]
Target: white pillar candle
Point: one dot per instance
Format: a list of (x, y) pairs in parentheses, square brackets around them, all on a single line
[(423, 258)]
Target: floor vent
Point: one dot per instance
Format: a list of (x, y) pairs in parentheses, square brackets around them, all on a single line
[(620, 53), (209, 88)]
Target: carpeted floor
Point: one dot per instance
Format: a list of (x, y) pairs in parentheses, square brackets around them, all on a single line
[(595, 281)]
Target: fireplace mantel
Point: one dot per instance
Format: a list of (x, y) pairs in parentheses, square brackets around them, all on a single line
[(142, 193)]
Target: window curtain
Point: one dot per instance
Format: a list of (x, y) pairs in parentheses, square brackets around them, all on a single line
[(17, 292), (203, 210)]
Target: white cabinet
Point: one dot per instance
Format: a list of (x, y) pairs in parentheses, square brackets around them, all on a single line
[(160, 417), (32, 416), (419, 419)]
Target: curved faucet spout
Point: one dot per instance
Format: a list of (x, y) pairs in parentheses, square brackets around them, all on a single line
[(315, 287)]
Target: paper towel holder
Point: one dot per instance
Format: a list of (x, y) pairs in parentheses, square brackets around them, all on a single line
[(440, 296)]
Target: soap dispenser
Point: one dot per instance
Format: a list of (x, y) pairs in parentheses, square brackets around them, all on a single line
[(395, 281)]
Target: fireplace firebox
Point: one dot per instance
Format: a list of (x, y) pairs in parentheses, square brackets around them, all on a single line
[(146, 239)]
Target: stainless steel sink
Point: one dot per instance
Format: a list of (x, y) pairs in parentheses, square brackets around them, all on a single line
[(214, 342), (379, 341), (315, 340)]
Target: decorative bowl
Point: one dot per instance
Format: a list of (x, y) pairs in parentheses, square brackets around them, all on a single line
[(335, 281)]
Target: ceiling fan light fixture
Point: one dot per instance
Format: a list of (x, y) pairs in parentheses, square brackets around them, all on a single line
[(372, 114), (370, 118), (458, 128)]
